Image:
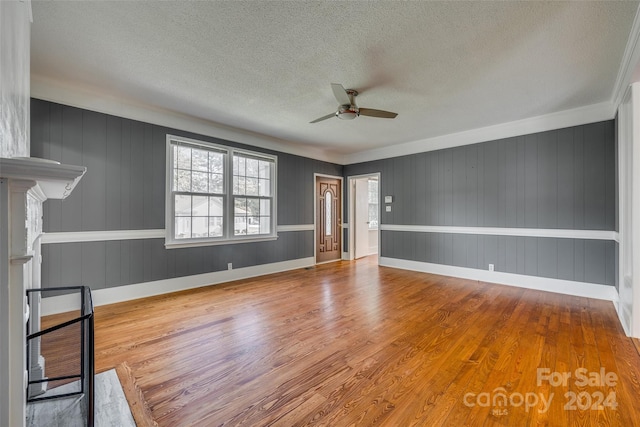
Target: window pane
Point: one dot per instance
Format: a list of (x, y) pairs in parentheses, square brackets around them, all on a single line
[(182, 206), (373, 215), (216, 183), (253, 225), (373, 191), (182, 229), (174, 184), (200, 160), (265, 170), (253, 207), (240, 206), (265, 207), (240, 225), (184, 180), (200, 206), (174, 155), (216, 162), (240, 169), (184, 157), (215, 206), (265, 187), (215, 226), (200, 227), (239, 185), (200, 182), (327, 214), (252, 187), (236, 186), (253, 167), (265, 225)]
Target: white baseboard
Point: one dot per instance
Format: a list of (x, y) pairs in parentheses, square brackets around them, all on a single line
[(567, 287), (64, 303)]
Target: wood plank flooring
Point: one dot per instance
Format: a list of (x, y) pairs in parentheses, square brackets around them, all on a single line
[(354, 344)]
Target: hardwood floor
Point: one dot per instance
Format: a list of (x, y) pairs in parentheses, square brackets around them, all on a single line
[(354, 344)]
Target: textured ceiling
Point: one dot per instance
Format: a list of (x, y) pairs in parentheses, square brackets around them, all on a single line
[(266, 67)]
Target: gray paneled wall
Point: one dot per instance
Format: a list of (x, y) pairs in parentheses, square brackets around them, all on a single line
[(591, 261), (561, 179), (114, 263), (124, 189)]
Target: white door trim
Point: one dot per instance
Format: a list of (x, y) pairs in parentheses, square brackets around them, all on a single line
[(350, 253)]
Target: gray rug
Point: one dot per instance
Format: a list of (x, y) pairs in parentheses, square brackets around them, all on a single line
[(111, 407)]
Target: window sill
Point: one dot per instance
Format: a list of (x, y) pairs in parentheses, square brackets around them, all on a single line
[(196, 243)]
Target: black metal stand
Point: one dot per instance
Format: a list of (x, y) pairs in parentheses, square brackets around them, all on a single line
[(87, 367)]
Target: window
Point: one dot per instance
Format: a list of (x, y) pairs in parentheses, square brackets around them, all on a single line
[(218, 194), (373, 204)]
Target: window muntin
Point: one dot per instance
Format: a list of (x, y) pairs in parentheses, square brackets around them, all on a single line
[(218, 194)]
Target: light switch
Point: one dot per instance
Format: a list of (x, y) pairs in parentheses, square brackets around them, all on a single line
[(387, 208), (388, 199)]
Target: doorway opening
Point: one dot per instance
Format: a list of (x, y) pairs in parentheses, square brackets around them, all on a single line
[(364, 216)]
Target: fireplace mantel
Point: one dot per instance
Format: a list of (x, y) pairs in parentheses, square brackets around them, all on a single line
[(54, 180), (25, 183)]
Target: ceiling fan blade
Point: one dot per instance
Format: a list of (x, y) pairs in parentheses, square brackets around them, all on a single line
[(377, 113), (328, 116), (341, 94)]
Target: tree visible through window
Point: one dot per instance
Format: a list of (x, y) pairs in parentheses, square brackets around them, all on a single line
[(200, 209)]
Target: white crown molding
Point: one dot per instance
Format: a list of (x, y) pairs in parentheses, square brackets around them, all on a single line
[(72, 95), (629, 62), (497, 231), (64, 303), (562, 119), (567, 287)]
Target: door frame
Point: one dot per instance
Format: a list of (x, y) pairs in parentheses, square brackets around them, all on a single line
[(351, 201), (315, 215)]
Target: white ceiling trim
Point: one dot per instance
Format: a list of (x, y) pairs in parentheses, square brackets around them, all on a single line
[(55, 91), (575, 117), (629, 62)]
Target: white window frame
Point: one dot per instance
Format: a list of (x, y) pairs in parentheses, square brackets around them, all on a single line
[(228, 236)]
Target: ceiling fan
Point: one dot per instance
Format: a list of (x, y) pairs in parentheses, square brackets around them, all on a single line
[(348, 110)]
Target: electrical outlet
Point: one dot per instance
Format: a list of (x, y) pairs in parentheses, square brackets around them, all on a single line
[(230, 266), (490, 267)]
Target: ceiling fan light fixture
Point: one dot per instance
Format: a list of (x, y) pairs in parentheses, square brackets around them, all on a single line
[(347, 115)]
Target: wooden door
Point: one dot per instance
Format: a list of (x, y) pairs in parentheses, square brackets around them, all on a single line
[(328, 219)]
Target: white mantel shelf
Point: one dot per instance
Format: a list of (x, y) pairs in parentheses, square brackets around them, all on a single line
[(55, 180)]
